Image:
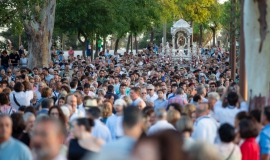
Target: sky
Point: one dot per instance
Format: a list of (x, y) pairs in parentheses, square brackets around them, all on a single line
[(222, 1)]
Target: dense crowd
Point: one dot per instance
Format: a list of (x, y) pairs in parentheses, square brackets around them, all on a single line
[(144, 106)]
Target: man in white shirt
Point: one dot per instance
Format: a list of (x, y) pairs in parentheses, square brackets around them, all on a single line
[(100, 130), (205, 127), (161, 124), (72, 101), (152, 96), (227, 114)]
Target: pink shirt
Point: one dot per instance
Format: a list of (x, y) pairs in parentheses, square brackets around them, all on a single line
[(70, 52)]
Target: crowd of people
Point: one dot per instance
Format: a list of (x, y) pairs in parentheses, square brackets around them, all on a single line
[(144, 106)]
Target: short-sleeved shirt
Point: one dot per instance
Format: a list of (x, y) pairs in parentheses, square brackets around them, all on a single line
[(14, 149), (160, 104), (265, 140)]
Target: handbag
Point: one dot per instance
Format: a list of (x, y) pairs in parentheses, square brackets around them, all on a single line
[(231, 153), (15, 100)]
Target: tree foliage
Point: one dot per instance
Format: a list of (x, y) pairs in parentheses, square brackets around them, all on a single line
[(14, 12), (195, 10), (225, 18)]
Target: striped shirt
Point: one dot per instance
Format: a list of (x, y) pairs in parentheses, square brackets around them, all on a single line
[(177, 99)]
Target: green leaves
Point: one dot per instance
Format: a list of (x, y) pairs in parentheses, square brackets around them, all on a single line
[(195, 10), (14, 12)]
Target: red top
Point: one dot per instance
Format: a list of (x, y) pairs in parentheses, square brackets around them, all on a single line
[(250, 150), (70, 52)]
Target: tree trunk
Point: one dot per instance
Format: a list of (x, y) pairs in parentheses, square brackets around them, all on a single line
[(131, 43), (84, 48), (116, 45), (233, 41), (39, 33), (136, 44), (111, 43), (20, 40), (80, 32), (164, 34), (152, 35), (214, 36), (97, 52), (201, 28), (128, 43), (191, 37), (257, 56), (104, 44), (63, 42), (242, 71)]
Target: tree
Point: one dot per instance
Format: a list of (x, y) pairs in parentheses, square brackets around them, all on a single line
[(90, 20), (256, 38), (39, 31), (36, 17), (195, 11), (9, 34), (225, 18), (214, 20)]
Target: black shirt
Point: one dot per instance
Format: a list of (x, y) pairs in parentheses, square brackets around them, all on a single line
[(4, 60), (76, 152), (15, 58)]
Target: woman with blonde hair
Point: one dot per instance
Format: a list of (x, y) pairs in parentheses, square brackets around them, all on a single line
[(106, 109), (173, 116), (185, 127), (189, 110), (127, 99)]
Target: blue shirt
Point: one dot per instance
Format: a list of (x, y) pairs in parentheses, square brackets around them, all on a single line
[(160, 104), (14, 150), (265, 140), (101, 131), (122, 146)]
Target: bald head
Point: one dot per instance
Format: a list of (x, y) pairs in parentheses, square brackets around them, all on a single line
[(202, 109), (72, 100)]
